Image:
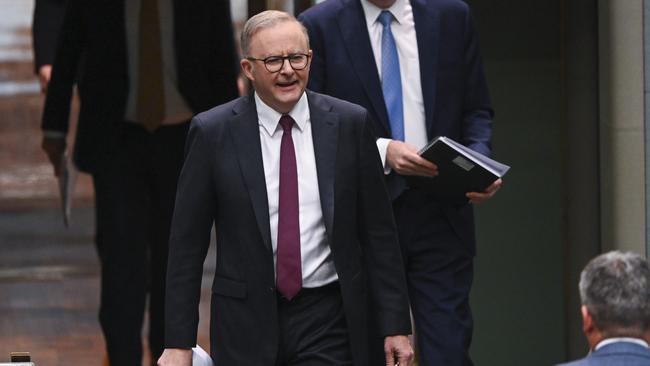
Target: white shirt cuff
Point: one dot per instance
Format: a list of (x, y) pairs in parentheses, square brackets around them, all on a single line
[(382, 146)]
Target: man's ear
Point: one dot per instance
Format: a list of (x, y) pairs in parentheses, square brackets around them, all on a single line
[(587, 320), (247, 68)]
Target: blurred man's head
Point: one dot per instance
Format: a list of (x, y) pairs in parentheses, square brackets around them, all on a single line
[(276, 59), (615, 295)]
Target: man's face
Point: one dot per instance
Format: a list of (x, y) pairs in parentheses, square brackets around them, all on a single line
[(280, 90)]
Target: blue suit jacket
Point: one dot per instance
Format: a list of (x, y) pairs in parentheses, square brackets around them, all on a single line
[(454, 89), (616, 354)]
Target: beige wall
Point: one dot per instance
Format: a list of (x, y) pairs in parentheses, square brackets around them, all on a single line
[(622, 125)]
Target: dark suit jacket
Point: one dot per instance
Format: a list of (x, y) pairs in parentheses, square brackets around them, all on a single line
[(46, 24), (454, 89), (616, 354), (223, 182), (95, 32)]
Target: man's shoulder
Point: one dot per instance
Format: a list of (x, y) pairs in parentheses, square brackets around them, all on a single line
[(330, 103), (324, 10), (581, 362), (217, 117), (613, 354), (222, 110)]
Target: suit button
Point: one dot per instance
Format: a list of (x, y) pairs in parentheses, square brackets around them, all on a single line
[(271, 289)]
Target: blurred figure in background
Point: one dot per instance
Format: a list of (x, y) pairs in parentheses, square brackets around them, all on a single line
[(46, 24), (148, 67), (615, 296)]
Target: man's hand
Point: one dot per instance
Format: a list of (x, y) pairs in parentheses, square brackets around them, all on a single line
[(54, 147), (44, 74), (478, 197), (404, 159), (176, 357), (398, 350)]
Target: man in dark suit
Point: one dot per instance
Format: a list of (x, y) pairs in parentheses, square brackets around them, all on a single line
[(46, 24), (415, 66), (147, 67), (615, 296), (305, 236)]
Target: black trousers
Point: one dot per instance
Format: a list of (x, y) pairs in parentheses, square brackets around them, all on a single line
[(134, 197), (439, 272), (313, 331)]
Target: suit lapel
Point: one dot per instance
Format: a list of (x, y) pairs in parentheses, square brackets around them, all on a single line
[(244, 129), (352, 24), (325, 127), (427, 32)]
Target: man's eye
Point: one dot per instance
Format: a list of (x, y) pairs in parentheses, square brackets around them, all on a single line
[(274, 60)]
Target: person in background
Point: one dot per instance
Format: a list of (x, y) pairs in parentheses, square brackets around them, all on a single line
[(415, 66), (615, 296), (148, 67)]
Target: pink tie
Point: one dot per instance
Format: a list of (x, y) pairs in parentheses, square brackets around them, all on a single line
[(288, 264)]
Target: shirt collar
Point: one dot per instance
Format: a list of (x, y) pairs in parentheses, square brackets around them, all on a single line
[(269, 118), (607, 341), (372, 11)]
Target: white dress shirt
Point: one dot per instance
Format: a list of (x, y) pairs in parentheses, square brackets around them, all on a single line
[(403, 29), (176, 108), (316, 257)]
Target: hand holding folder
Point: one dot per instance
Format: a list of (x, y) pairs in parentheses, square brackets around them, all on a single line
[(460, 171)]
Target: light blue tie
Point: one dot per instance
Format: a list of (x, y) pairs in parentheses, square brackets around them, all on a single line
[(391, 83)]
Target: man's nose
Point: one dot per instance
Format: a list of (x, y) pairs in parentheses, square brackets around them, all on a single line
[(286, 67)]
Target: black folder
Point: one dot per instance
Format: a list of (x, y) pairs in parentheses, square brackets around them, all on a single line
[(460, 170)]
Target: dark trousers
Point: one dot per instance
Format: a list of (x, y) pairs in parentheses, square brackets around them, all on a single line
[(134, 196), (439, 268), (313, 331)]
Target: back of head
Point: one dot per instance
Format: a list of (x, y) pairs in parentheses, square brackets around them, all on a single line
[(615, 288)]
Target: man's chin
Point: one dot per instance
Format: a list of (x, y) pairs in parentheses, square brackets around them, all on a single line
[(290, 97)]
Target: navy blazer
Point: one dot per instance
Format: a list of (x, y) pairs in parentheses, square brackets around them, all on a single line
[(222, 182), (454, 89), (616, 354)]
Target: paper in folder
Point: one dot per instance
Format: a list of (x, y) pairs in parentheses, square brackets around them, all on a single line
[(460, 170), (67, 178), (200, 357)]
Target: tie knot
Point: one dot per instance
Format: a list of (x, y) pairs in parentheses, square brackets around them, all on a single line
[(286, 122), (385, 18)]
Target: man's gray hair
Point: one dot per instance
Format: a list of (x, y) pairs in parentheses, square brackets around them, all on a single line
[(615, 288), (266, 19)]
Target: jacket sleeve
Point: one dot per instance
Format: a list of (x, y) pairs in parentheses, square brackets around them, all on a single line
[(46, 26), (477, 110), (192, 221), (70, 46), (386, 275)]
